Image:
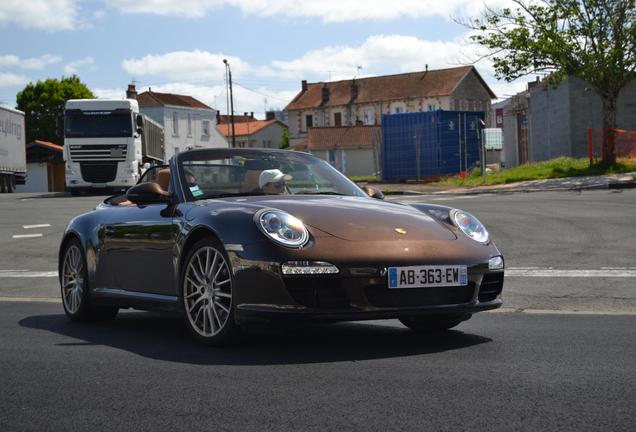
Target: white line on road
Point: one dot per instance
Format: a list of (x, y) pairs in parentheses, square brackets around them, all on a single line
[(36, 226), (18, 236), (604, 272), (26, 274)]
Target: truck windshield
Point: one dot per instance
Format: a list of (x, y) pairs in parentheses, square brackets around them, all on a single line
[(95, 124)]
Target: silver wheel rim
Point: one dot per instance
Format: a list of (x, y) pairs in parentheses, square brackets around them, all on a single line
[(207, 291), (72, 279)]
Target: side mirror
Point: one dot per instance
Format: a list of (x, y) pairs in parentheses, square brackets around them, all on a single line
[(140, 121), (373, 192), (147, 193)]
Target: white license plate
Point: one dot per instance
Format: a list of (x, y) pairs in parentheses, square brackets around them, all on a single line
[(427, 276)]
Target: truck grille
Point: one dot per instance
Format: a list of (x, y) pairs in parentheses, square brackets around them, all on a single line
[(111, 152), (95, 172)]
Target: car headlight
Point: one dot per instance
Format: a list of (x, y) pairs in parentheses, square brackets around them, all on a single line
[(470, 226), (282, 227)]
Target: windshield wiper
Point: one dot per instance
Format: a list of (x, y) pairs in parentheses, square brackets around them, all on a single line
[(229, 194), (319, 193)]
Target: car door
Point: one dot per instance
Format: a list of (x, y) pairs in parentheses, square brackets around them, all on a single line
[(138, 243)]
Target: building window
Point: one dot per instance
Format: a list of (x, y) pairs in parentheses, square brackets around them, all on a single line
[(175, 123), (205, 127), (189, 124), (176, 150), (337, 119), (309, 121), (368, 118), (431, 107)]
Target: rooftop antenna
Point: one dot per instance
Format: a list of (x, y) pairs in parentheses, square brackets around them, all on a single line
[(330, 74), (358, 70)]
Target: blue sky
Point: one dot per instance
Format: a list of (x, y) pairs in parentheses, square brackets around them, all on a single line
[(178, 45)]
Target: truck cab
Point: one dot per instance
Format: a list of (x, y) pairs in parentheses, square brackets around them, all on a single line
[(103, 146)]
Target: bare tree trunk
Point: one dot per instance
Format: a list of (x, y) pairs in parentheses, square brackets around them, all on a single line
[(609, 129)]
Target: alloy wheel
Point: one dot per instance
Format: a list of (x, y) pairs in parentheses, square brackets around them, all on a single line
[(73, 279), (207, 291)]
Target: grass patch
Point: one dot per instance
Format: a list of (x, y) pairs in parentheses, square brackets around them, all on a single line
[(363, 178), (554, 168)]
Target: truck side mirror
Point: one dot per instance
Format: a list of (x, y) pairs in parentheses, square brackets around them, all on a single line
[(140, 123)]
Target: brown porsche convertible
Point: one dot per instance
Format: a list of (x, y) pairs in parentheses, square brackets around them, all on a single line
[(226, 236)]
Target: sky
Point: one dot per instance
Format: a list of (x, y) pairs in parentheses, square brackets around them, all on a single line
[(178, 46)]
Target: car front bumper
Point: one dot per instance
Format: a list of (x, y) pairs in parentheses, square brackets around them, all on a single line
[(261, 291)]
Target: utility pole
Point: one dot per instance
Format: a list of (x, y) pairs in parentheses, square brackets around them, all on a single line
[(229, 72)]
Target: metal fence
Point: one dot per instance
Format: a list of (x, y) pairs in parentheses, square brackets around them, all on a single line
[(611, 143), (429, 144)]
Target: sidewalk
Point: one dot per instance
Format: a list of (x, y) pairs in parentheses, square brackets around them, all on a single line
[(610, 181)]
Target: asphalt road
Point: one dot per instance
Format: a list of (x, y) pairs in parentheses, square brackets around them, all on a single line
[(497, 372), (563, 250)]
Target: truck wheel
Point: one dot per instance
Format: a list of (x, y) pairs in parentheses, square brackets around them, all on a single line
[(3, 183), (75, 192), (11, 184)]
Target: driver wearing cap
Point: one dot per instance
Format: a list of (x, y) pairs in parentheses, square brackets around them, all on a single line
[(272, 181)]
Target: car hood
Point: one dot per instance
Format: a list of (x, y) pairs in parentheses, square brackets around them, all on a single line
[(357, 218)]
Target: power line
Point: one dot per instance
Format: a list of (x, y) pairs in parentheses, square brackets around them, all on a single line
[(260, 93)]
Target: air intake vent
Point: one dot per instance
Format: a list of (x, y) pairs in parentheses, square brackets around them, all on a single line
[(99, 172), (95, 152)]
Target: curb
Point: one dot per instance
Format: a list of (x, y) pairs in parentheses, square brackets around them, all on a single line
[(451, 192)]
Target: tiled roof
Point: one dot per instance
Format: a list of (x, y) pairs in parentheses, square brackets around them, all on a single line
[(224, 118), (46, 144), (432, 83), (246, 128), (151, 98), (325, 138)]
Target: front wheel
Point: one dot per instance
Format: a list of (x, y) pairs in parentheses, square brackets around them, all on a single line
[(206, 294), (432, 324), (74, 287)]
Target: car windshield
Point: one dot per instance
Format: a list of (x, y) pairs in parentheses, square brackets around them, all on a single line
[(225, 173)]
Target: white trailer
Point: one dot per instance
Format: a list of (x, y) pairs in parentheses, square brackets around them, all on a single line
[(107, 142), (12, 149)]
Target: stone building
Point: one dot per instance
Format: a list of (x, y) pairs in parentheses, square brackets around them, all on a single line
[(361, 102)]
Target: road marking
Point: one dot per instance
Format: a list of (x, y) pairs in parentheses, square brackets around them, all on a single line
[(18, 236), (26, 274), (32, 299), (36, 226), (604, 272), (561, 311)]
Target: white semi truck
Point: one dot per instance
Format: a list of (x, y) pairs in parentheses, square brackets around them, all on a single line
[(12, 149), (107, 142)]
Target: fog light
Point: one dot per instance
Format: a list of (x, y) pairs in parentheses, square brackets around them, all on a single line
[(308, 267), (496, 263)]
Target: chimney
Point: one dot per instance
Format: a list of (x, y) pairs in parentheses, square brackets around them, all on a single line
[(131, 93), (252, 114), (325, 94), (304, 85), (218, 117), (354, 90), (270, 115), (244, 113)]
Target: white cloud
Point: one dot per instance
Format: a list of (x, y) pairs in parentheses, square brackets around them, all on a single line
[(73, 67), (327, 10), (39, 14), (34, 63), (10, 80), (109, 93), (185, 65)]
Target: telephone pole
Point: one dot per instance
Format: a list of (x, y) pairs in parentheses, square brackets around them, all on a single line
[(229, 72)]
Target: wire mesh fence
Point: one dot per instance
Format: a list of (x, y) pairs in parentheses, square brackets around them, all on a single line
[(610, 144)]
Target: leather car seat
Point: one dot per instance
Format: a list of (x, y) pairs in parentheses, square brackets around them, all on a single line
[(163, 179)]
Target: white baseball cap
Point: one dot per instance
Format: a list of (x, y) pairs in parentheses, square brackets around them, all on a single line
[(272, 176)]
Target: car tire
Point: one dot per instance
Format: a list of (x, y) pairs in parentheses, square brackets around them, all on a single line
[(74, 287), (430, 324), (205, 294)]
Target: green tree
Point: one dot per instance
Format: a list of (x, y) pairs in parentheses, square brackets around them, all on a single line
[(594, 40), (284, 140), (43, 105)]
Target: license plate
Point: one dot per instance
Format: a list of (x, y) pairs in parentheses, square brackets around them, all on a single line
[(427, 276)]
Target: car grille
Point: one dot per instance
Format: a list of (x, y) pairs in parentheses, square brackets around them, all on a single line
[(340, 293), (382, 296), (94, 152), (99, 172), (491, 286)]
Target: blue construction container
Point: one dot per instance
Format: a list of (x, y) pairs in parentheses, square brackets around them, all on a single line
[(429, 144)]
